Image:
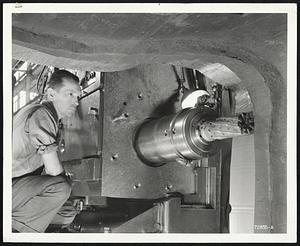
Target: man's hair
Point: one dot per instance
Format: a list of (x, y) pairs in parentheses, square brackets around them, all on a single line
[(56, 79)]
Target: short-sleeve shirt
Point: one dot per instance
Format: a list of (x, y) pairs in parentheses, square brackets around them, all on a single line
[(35, 132)]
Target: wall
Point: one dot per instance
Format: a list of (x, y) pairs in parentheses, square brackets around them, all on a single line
[(242, 185)]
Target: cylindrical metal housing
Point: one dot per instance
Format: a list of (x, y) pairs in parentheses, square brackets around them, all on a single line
[(174, 137)]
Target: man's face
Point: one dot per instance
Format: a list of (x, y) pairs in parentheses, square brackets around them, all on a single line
[(65, 99)]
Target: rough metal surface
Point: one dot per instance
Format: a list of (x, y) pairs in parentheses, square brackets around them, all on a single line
[(130, 97), (253, 46)]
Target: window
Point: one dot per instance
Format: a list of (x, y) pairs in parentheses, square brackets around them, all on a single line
[(22, 98), (32, 95), (16, 103), (21, 73)]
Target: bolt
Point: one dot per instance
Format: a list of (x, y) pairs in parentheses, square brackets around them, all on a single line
[(136, 186), (114, 157), (140, 96), (168, 187)]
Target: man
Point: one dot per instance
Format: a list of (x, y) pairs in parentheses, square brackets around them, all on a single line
[(39, 185)]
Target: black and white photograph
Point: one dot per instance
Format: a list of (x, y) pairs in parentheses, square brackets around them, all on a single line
[(149, 122)]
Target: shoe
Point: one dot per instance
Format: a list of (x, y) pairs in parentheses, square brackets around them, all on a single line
[(15, 231)]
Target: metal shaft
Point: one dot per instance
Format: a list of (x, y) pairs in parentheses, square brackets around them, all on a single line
[(227, 127)]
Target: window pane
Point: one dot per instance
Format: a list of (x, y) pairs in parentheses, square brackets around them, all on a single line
[(32, 95), (20, 73), (16, 100), (22, 98)]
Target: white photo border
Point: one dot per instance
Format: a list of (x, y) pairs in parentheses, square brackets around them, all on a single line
[(289, 9)]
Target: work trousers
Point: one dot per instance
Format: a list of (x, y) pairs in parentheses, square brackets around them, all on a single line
[(36, 201)]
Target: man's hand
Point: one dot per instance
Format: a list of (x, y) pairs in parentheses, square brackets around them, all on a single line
[(52, 164), (68, 177)]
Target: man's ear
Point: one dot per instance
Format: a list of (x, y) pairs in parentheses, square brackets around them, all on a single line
[(51, 94)]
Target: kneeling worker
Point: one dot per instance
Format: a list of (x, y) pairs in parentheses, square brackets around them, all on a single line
[(39, 185)]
